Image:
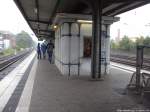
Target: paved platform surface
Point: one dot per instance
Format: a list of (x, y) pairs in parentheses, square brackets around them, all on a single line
[(53, 92), (9, 83)]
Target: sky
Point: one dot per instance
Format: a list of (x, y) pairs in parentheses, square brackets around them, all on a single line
[(133, 23), (12, 20)]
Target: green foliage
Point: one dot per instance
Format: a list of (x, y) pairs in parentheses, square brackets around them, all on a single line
[(17, 48), (23, 40), (8, 51), (147, 41), (139, 41), (114, 45), (126, 44)]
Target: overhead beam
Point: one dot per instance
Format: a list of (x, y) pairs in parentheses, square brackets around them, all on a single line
[(123, 1), (131, 8), (39, 34), (37, 11), (110, 7), (39, 21), (20, 7), (48, 31), (37, 8), (116, 8), (54, 12), (46, 37), (55, 9), (127, 8)]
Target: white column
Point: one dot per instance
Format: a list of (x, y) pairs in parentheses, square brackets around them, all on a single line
[(65, 48), (105, 45), (56, 48), (103, 52), (74, 48), (69, 46), (108, 48)]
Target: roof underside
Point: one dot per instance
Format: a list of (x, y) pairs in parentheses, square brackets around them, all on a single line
[(40, 13)]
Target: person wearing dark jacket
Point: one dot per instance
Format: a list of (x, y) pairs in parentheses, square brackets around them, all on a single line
[(50, 47), (39, 51), (43, 48)]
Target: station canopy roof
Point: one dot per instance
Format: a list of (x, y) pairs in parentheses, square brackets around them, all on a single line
[(40, 13)]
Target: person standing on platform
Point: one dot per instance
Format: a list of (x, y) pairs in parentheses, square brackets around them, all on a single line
[(50, 47), (43, 47), (39, 51)]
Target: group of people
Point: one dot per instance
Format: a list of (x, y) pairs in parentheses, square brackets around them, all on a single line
[(42, 48)]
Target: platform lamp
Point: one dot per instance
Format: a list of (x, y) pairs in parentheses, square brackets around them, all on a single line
[(53, 27)]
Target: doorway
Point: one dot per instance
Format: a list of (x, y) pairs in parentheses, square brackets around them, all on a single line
[(87, 47)]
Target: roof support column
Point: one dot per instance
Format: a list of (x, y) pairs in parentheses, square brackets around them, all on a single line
[(96, 39)]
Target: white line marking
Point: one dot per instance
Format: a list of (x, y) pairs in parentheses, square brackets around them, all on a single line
[(9, 83), (24, 103)]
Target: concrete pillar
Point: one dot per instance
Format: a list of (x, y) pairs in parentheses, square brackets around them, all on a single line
[(56, 48), (65, 38), (96, 39), (74, 48), (67, 48), (107, 48), (69, 44), (103, 51)]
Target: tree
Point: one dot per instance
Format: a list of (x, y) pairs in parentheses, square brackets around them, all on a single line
[(126, 44), (23, 40), (113, 45), (139, 41), (146, 41)]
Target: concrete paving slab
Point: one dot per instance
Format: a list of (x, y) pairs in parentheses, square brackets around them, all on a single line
[(53, 92), (24, 103)]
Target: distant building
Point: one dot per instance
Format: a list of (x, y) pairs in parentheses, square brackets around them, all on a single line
[(1, 43), (7, 40)]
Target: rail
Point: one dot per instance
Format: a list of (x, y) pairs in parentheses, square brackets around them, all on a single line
[(130, 60), (6, 62)]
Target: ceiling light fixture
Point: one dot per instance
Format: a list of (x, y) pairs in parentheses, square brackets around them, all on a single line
[(84, 21), (55, 26)]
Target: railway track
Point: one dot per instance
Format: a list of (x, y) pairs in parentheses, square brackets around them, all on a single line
[(9, 60), (5, 57), (130, 60)]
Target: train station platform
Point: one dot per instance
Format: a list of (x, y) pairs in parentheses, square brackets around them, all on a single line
[(46, 90)]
